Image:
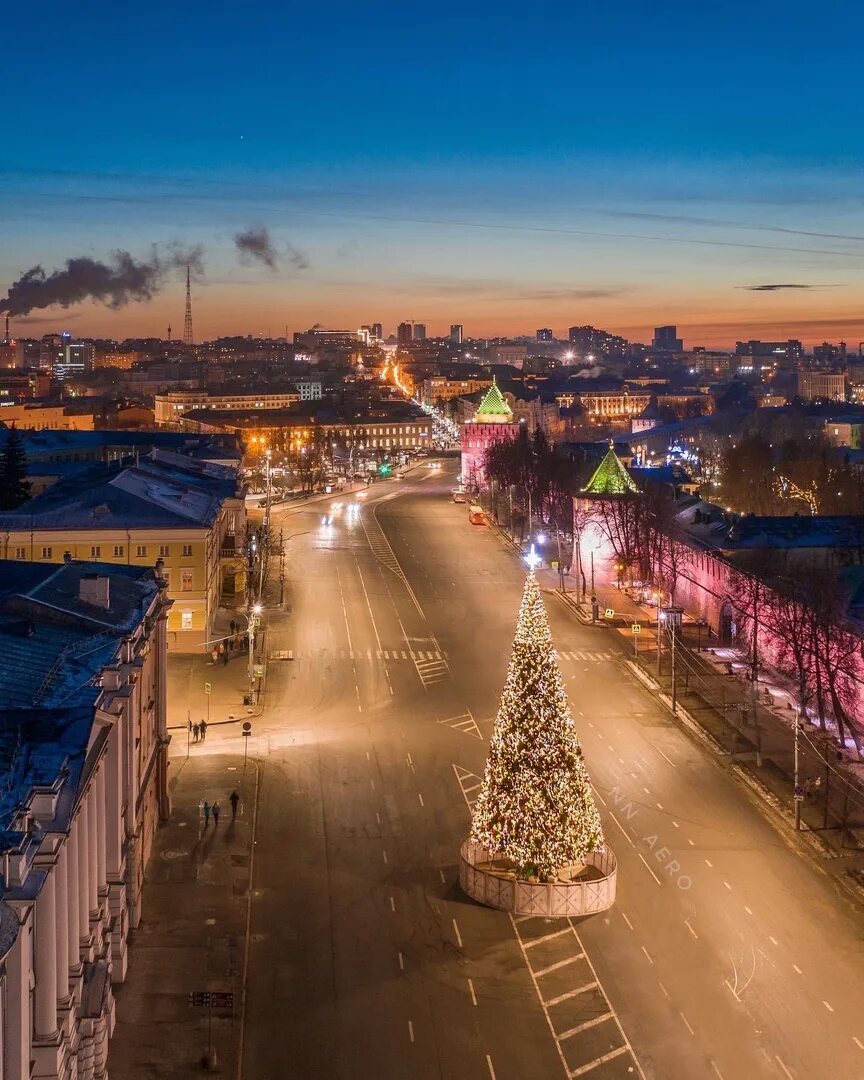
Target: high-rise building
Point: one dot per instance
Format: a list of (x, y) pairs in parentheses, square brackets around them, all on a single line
[(455, 333), (51, 350), (75, 358), (779, 350), (419, 331), (589, 341), (545, 334), (404, 333), (666, 339), (377, 331)]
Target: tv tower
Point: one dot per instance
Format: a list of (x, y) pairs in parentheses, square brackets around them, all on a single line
[(187, 322)]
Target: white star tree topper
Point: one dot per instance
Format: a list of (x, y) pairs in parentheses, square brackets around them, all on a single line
[(535, 808)]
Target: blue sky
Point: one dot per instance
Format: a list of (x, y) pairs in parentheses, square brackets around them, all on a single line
[(506, 167)]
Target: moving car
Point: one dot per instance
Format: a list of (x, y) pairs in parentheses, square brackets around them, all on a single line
[(477, 516)]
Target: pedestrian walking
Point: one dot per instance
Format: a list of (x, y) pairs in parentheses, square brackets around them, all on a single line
[(216, 810), (195, 731), (205, 806), (234, 799), (189, 725), (203, 727)]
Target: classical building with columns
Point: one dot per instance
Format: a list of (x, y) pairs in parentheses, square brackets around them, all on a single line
[(83, 783)]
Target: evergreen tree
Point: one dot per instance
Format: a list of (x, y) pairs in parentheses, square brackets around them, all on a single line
[(14, 486), (535, 807)]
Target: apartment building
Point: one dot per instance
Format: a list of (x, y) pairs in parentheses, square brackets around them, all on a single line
[(186, 517)]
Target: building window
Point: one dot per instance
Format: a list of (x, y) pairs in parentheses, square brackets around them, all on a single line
[(187, 549), (141, 551), (164, 551), (20, 553), (95, 551), (46, 553), (118, 551), (185, 620), (186, 581)]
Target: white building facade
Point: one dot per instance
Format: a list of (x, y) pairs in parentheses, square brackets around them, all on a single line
[(87, 784)]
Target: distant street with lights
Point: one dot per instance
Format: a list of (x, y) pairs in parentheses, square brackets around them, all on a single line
[(728, 954)]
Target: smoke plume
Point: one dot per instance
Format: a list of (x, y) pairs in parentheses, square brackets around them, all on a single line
[(120, 280), (256, 245)]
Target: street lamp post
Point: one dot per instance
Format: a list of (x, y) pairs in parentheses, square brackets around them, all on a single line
[(253, 618)]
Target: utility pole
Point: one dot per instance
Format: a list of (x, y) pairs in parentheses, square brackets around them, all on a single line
[(798, 794), (674, 685)]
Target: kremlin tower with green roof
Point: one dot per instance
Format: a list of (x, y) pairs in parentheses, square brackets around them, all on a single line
[(492, 423)]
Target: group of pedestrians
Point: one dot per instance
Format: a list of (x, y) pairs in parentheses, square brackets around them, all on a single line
[(214, 808), (198, 731), (222, 652)]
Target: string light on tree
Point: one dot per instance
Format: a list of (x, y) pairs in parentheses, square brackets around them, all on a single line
[(535, 810)]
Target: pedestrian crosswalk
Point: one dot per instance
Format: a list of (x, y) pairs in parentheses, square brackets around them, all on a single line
[(588, 1035), (429, 658), (585, 656), (464, 723)]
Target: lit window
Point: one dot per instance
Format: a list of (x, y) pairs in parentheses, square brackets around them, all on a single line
[(185, 620), (46, 552), (186, 581)]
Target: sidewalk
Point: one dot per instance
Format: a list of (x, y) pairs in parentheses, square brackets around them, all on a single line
[(190, 674), (193, 931)]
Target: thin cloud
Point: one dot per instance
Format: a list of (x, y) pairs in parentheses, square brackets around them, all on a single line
[(771, 288)]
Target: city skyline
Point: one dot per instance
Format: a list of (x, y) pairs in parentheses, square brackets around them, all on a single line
[(411, 171)]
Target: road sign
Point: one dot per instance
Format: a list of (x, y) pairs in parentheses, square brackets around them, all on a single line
[(636, 628), (214, 999), (207, 688), (247, 728), (609, 613)]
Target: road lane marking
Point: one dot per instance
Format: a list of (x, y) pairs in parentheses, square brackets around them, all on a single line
[(782, 1065), (411, 1030), (561, 964), (773, 940), (747, 909), (546, 937), (624, 917), (441, 875), (491, 1068), (692, 931), (858, 1042), (471, 991), (372, 782), (377, 817), (648, 955), (671, 762), (570, 994), (602, 1061), (690, 842), (420, 797), (687, 1023), (709, 864), (663, 988), (659, 807), (648, 868), (584, 1026), (623, 830), (675, 823), (716, 1071), (384, 853), (392, 904), (727, 886), (401, 962), (828, 1006), (458, 935), (367, 756)]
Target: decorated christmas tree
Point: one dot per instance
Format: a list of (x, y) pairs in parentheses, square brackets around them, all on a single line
[(535, 810)]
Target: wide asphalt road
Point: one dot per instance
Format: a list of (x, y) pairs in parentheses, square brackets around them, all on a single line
[(728, 954)]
